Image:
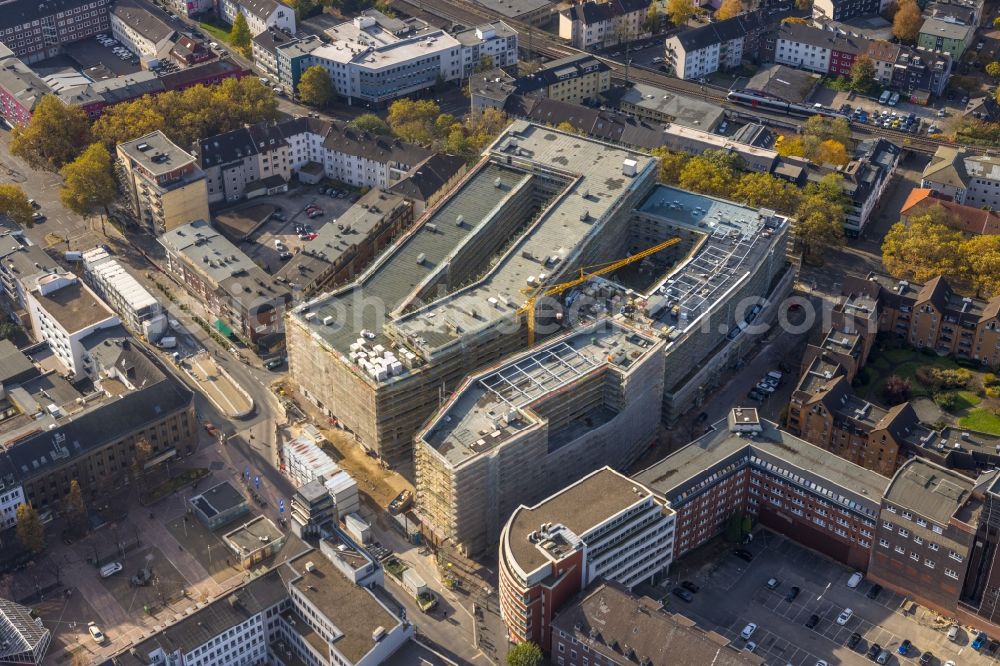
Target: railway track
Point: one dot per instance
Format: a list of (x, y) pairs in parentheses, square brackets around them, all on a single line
[(469, 13)]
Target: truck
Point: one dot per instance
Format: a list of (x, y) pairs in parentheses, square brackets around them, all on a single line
[(401, 502), (167, 342), (415, 585)]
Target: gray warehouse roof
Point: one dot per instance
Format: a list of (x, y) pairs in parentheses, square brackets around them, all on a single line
[(929, 490), (147, 20)]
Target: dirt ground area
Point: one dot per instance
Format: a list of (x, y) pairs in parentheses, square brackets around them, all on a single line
[(240, 223)]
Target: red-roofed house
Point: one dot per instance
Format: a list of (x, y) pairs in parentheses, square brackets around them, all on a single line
[(970, 219)]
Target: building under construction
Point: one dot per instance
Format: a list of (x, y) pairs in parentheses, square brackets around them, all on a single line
[(449, 298)]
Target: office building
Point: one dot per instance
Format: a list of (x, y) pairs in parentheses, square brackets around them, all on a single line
[(142, 28), (445, 316), (138, 309), (516, 432), (607, 624), (63, 312), (603, 526), (36, 30), (25, 638), (164, 184), (748, 466), (244, 299)]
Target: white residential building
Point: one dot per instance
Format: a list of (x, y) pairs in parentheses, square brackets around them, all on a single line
[(602, 24), (972, 180), (723, 45), (138, 308), (11, 497), (63, 311), (142, 28), (260, 14), (376, 59)]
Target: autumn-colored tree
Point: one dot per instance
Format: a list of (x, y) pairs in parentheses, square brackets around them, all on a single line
[(907, 22), (896, 390), (14, 205), (824, 128), (923, 247), (566, 126), (863, 75), (491, 121), (729, 9), (88, 184), (653, 17), (791, 147), (315, 86), (830, 152), (30, 531), (239, 35), (993, 69), (982, 264), (819, 218), (709, 173), (680, 11), (56, 133), (795, 20), (671, 165), (996, 22), (413, 120), (74, 508), (369, 122), (764, 190)]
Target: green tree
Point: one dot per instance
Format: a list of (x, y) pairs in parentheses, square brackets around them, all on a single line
[(485, 63), (74, 508), (369, 122), (680, 11), (30, 531), (746, 525), (315, 87), (88, 184), (907, 22), (993, 69), (525, 654), (732, 530), (55, 134), (821, 128), (764, 190), (863, 75), (413, 120), (653, 17), (305, 8), (239, 35), (9, 330), (14, 205), (923, 247)]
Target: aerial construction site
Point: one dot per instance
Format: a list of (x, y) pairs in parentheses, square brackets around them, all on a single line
[(556, 269)]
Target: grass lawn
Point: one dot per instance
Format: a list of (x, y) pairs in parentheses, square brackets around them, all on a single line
[(218, 31), (981, 420)]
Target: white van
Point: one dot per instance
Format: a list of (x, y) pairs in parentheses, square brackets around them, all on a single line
[(748, 631), (855, 579), (109, 570)]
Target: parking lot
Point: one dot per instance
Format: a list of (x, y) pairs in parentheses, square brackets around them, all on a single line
[(262, 245), (734, 593), (89, 53)]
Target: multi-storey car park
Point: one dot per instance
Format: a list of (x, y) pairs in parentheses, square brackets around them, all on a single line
[(449, 297)]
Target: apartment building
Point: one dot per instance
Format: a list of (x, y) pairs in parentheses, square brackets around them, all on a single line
[(244, 297), (237, 161), (593, 400), (606, 624), (191, 8), (970, 179), (21, 262), (928, 520), (260, 14), (375, 59), (166, 187), (865, 179), (947, 36), (915, 72), (602, 526), (291, 59), (63, 312), (966, 12), (36, 30), (748, 466), (842, 10), (142, 28), (825, 51), (574, 79), (696, 53), (138, 309), (55, 431), (264, 50), (599, 25)]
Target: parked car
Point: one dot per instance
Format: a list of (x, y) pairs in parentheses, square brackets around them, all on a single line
[(750, 646), (953, 633), (764, 388), (743, 554), (812, 621), (275, 363), (689, 586), (853, 641), (792, 593), (855, 579), (873, 651), (95, 633), (755, 395), (926, 658), (904, 647), (683, 594), (980, 639), (38, 217), (109, 570), (773, 584), (873, 591), (748, 631), (845, 616), (883, 657)]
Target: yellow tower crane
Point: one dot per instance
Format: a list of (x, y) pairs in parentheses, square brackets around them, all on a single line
[(585, 274)]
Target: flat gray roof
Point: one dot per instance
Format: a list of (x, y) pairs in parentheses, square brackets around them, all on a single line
[(687, 111), (254, 535), (486, 401), (929, 490), (680, 470), (223, 497), (156, 153), (74, 306)]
